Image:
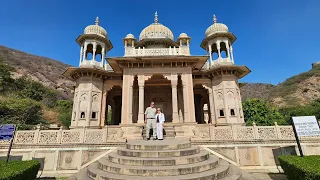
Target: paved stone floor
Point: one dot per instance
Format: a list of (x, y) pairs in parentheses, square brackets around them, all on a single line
[(265, 176)]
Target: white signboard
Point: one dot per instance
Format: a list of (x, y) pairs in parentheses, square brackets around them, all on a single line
[(306, 126)]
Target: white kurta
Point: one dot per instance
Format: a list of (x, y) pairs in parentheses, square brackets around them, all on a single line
[(160, 125)]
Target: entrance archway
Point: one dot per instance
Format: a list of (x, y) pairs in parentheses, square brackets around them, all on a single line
[(200, 99), (158, 90), (114, 102)]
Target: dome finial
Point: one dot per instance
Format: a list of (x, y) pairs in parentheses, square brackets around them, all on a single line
[(97, 20), (214, 19), (156, 17)]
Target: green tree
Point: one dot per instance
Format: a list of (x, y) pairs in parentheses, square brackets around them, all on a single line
[(261, 112), (311, 109), (65, 112), (6, 81), (20, 111)]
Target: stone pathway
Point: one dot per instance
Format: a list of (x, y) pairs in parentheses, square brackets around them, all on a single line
[(265, 176)]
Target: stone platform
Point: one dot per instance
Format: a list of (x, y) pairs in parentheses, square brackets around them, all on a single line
[(157, 160)]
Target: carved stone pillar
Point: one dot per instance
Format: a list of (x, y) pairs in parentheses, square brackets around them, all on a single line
[(130, 103), (103, 108), (126, 100), (174, 82), (185, 102), (188, 97), (211, 105), (141, 99)]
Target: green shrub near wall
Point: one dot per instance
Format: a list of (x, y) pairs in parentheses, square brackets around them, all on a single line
[(19, 170), (301, 168)]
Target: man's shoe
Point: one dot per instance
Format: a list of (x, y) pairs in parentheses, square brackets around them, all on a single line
[(160, 139), (148, 139)]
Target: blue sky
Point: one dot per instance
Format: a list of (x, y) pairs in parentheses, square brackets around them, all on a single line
[(276, 38)]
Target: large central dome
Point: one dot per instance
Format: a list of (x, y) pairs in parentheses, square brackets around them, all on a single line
[(156, 31)]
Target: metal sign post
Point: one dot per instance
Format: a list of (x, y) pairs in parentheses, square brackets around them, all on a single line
[(7, 133), (304, 126), (297, 138)]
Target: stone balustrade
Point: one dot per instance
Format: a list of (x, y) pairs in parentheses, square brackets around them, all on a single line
[(219, 61), (199, 132), (242, 133), (182, 50)]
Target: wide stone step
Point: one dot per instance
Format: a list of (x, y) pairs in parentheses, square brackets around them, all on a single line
[(158, 145), (234, 173), (209, 164), (169, 161), (161, 153), (219, 172)]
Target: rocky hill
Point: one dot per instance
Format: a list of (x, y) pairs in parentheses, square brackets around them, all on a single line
[(41, 69), (256, 90), (299, 89)]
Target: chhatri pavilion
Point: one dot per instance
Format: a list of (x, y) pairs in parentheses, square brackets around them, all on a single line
[(156, 67)]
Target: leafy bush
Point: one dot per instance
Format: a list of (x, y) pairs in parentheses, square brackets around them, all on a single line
[(261, 112), (19, 170), (301, 168)]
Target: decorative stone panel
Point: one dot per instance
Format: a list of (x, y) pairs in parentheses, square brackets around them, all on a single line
[(201, 132), (132, 132), (49, 137), (72, 136), (249, 156), (25, 137), (244, 133), (69, 160), (115, 134), (94, 136), (266, 132), (285, 132), (221, 133)]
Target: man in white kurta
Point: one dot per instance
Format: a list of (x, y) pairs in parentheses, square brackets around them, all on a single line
[(160, 120)]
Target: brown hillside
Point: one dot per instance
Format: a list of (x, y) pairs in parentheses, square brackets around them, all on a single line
[(41, 69), (256, 90), (298, 89)]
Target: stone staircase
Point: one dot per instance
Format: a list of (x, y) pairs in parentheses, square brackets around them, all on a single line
[(169, 132), (169, 159)]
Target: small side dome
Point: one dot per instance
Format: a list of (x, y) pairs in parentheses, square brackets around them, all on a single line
[(129, 36), (96, 29), (183, 35), (216, 27)]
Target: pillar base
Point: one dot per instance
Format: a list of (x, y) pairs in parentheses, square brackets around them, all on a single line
[(140, 118)]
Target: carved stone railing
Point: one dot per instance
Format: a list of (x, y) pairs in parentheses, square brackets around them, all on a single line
[(118, 134), (182, 50), (204, 132)]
